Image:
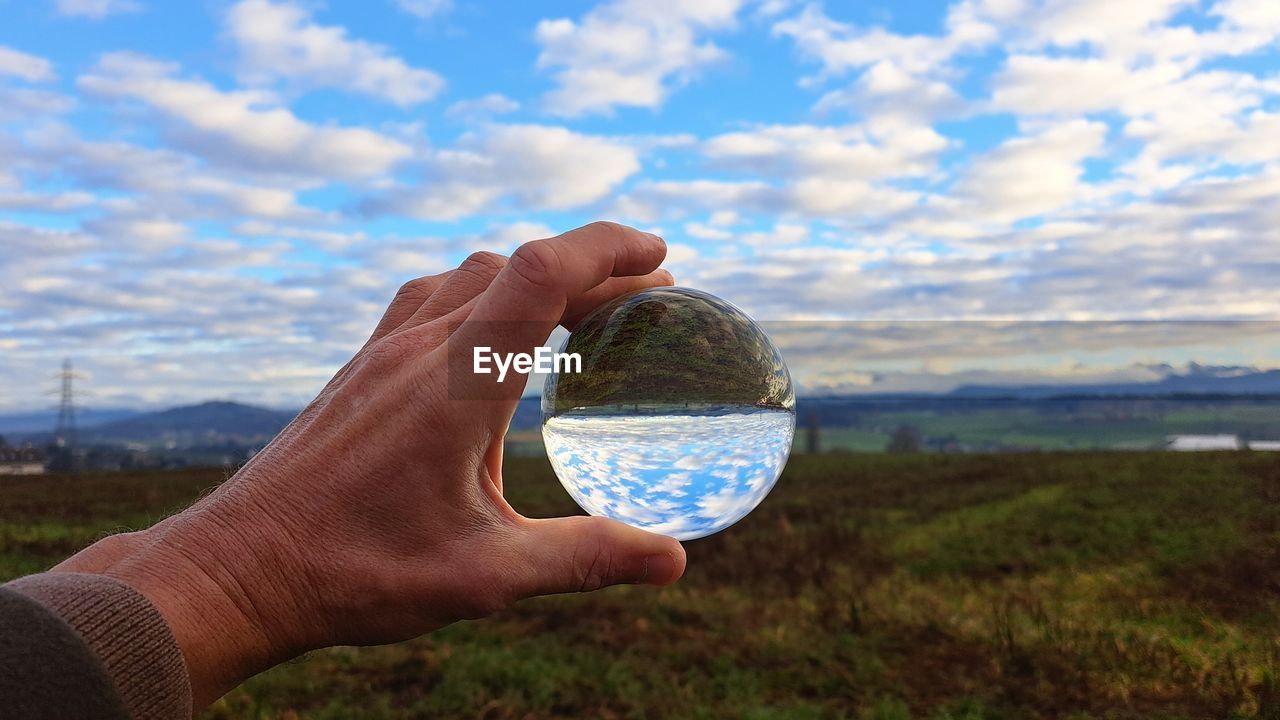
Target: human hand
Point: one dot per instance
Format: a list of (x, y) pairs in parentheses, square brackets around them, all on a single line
[(377, 515)]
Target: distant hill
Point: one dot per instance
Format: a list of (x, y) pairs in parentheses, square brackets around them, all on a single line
[(208, 422), (1197, 380), (43, 421)]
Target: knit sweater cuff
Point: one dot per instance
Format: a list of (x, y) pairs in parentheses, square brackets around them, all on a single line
[(126, 633)]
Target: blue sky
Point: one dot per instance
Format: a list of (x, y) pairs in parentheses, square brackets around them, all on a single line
[(217, 199)]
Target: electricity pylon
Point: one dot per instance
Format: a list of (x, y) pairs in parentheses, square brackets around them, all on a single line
[(63, 453)]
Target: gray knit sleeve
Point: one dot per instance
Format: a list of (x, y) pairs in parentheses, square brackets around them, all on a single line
[(125, 633)]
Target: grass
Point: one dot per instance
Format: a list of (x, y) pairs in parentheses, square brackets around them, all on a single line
[(1120, 425), (1073, 585)]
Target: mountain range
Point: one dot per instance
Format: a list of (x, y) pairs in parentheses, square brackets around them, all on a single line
[(1197, 379), (221, 422), (209, 423), (27, 423)]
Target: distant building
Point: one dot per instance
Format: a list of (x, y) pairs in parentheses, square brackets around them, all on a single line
[(22, 461), (1265, 445), (1202, 443)]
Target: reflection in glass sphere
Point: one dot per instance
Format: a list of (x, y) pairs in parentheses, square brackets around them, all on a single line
[(681, 419)]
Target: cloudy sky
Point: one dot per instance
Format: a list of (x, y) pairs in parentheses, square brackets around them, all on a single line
[(216, 199)]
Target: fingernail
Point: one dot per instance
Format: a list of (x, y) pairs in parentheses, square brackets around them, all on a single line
[(659, 569)]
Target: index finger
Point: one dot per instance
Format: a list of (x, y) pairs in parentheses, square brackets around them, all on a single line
[(544, 276), (529, 296)]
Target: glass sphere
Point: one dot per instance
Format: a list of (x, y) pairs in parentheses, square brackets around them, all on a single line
[(681, 418)]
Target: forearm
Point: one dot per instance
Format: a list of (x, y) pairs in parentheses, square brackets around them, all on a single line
[(210, 586)]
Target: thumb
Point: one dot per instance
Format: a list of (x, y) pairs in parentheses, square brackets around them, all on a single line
[(579, 554)]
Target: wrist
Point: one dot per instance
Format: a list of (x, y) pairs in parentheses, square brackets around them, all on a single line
[(103, 554), (220, 587)]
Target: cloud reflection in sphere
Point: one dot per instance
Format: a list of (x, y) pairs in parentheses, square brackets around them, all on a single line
[(681, 419)]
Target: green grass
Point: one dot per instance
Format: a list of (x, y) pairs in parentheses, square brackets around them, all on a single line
[(1122, 425), (978, 587)]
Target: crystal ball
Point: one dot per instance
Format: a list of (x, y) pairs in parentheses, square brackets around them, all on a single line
[(680, 419)]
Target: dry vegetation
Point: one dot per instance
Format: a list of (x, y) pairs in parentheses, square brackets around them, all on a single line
[(999, 586)]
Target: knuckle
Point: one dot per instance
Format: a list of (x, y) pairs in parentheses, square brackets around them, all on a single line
[(415, 286), (484, 259), (593, 562), (414, 291), (537, 262), (606, 228), (480, 267), (389, 352)]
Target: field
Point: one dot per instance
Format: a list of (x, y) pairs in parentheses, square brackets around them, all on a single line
[(1061, 424), (1072, 585)]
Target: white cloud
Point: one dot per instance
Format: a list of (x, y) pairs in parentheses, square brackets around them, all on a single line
[(491, 104), (841, 47), (835, 153), (95, 9), (1183, 120), (629, 52), (279, 40), (506, 238), (1182, 254), (906, 79), (47, 202), (1261, 15), (886, 90), (145, 234), (24, 66), (1080, 85), (246, 129), (408, 257), (841, 171), (163, 181), (850, 199), (537, 166), (810, 197), (1091, 85), (780, 234), (326, 239), (425, 9), (190, 327), (1033, 174), (724, 218), (20, 103), (1131, 32), (1069, 22), (20, 242), (403, 258), (654, 199), (703, 231)]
